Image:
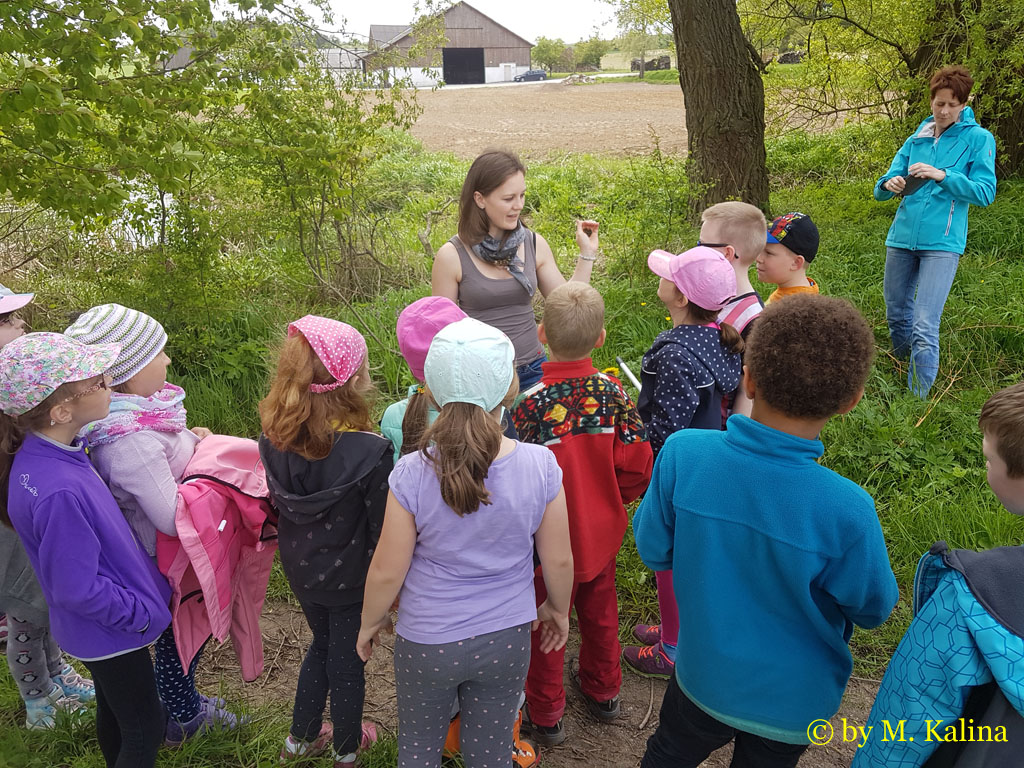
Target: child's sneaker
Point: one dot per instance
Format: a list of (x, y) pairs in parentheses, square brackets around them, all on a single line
[(545, 735), (368, 737), (649, 661), (210, 717), (73, 684), (605, 711), (295, 750), (524, 754), (647, 634), (42, 714)]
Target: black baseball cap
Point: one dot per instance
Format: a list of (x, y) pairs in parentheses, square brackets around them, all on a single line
[(797, 232)]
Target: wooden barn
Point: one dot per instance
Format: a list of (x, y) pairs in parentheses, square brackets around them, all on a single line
[(477, 50)]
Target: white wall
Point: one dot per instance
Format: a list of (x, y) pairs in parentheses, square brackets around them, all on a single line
[(420, 78)]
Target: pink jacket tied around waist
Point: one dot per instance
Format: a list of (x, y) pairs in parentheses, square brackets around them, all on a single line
[(219, 564)]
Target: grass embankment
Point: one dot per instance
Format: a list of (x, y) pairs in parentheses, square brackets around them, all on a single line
[(920, 460)]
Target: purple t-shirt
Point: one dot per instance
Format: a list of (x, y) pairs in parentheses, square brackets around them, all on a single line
[(473, 575)]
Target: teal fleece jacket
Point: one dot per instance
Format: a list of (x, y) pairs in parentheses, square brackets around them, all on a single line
[(774, 558), (934, 218)]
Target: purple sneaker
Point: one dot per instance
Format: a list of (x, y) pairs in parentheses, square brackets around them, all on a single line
[(210, 717), (647, 634), (649, 661)]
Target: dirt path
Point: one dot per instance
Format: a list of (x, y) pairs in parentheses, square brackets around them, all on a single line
[(621, 745), (538, 121)]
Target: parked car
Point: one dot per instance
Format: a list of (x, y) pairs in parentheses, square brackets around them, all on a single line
[(533, 74)]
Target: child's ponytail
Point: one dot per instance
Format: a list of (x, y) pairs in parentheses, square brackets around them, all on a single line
[(462, 444), (414, 423), (730, 337)]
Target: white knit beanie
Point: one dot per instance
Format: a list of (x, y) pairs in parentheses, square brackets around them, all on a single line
[(140, 336)]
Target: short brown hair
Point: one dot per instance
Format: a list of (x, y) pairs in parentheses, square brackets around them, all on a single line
[(297, 420), (956, 78), (810, 356), (573, 319), (742, 224), (1002, 419), (488, 172)]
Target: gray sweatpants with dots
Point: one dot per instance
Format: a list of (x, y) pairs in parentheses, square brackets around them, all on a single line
[(487, 673)]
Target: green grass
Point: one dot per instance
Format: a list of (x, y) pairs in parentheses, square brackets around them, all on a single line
[(920, 460)]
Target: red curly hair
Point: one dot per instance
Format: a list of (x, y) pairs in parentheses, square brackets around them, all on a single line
[(297, 420)]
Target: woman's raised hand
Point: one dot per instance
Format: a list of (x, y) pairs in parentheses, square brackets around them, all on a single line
[(586, 237), (925, 171)]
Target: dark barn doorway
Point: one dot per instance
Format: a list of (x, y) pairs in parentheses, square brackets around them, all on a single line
[(463, 66)]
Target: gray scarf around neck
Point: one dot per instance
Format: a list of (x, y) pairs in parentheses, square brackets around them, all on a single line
[(503, 253)]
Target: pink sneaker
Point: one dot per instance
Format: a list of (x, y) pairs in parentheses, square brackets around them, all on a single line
[(649, 661), (647, 634), (368, 737), (299, 750)]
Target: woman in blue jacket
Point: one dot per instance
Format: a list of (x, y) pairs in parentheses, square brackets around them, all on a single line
[(947, 165)]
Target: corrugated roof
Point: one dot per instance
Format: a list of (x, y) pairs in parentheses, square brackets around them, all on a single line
[(382, 34)]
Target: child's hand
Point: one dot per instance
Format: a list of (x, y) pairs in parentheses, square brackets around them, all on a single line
[(369, 635), (201, 432), (586, 237), (554, 627)]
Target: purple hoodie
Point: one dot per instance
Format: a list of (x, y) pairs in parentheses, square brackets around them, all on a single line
[(106, 596)]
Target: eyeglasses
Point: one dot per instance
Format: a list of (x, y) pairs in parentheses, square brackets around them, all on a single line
[(718, 245), (104, 383)]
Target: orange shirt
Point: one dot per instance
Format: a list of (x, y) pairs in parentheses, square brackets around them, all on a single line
[(781, 293)]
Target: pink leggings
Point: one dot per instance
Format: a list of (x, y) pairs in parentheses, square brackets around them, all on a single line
[(668, 607)]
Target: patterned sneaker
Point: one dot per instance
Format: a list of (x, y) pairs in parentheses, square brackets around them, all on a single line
[(649, 661), (647, 634), (210, 717), (300, 750), (73, 684), (43, 713), (524, 754), (368, 737)]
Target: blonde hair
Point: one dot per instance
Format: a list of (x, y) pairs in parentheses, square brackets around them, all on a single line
[(300, 421), (573, 319), (742, 225), (462, 444)]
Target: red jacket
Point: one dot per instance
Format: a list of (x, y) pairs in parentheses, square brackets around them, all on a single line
[(219, 564), (591, 425)]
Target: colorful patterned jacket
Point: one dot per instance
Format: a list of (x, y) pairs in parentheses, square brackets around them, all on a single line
[(967, 633), (591, 425)]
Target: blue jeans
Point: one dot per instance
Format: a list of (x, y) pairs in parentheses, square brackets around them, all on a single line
[(531, 372), (916, 286)]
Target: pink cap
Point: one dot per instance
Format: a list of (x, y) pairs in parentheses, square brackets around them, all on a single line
[(11, 301), (419, 323), (340, 347), (703, 275)]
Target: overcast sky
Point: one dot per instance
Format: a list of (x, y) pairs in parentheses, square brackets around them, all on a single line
[(570, 20)]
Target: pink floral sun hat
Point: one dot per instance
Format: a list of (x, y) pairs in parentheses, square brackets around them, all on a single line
[(34, 365)]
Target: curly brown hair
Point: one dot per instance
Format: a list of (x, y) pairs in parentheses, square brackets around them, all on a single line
[(300, 421), (809, 355), (1002, 419)]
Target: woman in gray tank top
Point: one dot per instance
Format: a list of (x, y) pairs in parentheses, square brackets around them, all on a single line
[(495, 265)]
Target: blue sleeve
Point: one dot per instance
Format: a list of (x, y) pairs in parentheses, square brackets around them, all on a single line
[(861, 580), (898, 167), (928, 680), (978, 185), (654, 521), (675, 399), (69, 557), (391, 425)]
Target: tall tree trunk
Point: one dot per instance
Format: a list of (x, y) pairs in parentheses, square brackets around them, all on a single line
[(724, 103)]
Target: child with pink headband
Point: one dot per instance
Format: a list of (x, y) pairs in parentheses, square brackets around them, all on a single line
[(328, 477)]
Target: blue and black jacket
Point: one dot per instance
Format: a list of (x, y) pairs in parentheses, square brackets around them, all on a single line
[(960, 665)]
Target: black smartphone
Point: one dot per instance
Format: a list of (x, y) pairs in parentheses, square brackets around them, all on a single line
[(914, 183)]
